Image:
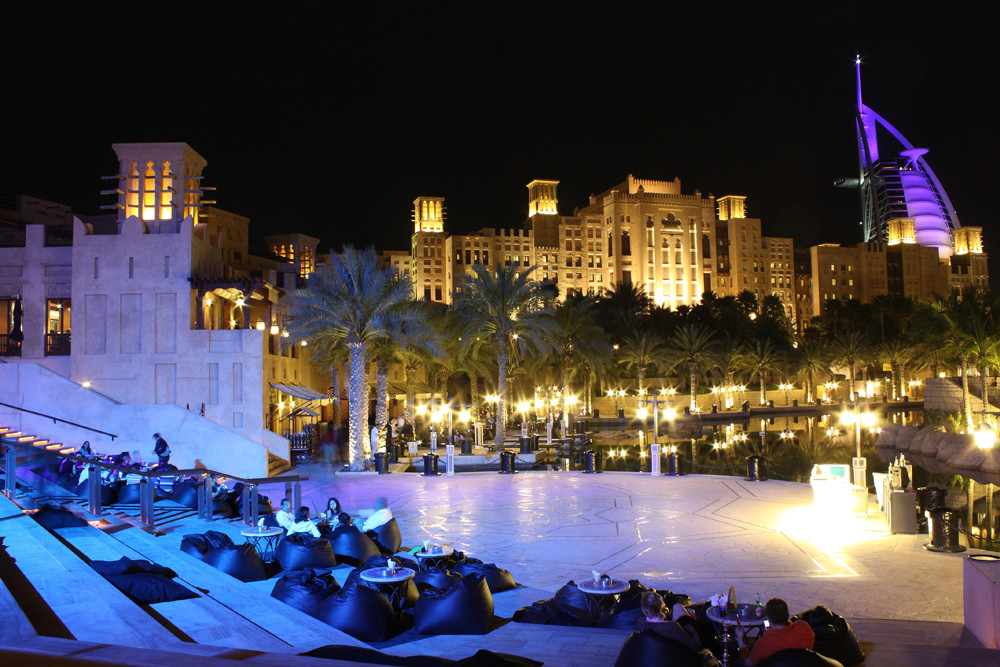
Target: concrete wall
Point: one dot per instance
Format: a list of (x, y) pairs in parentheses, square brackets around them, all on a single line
[(945, 394), (194, 440)]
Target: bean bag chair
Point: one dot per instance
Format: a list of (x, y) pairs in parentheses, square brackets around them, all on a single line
[(129, 493), (186, 494), (798, 657), (628, 609), (263, 502), (369, 656), (464, 609), (270, 521), (305, 589), (647, 648), (834, 636), (109, 494), (497, 578), (52, 518), (199, 545), (382, 561), (129, 566), (149, 588), (225, 509), (352, 546), (361, 612), (436, 578), (569, 606), (238, 560), (411, 593), (299, 551), (388, 538)]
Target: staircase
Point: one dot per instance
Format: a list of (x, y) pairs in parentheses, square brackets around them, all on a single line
[(276, 465)]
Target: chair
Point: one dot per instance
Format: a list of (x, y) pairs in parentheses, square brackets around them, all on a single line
[(834, 637), (305, 589), (361, 612), (352, 546), (389, 537), (298, 551), (649, 649), (497, 578), (238, 560), (464, 609), (198, 545)]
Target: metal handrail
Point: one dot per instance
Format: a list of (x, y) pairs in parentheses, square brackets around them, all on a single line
[(59, 419)]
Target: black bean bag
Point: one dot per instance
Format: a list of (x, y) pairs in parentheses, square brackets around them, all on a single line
[(299, 551), (369, 656), (834, 636), (271, 521), (388, 538), (411, 593), (352, 546), (225, 509), (109, 493), (464, 609), (437, 578), (129, 566), (199, 545), (649, 649), (128, 493), (263, 502), (497, 578), (305, 589), (238, 560), (569, 606), (361, 612), (186, 494), (628, 609), (382, 561), (798, 657), (149, 588), (52, 518)]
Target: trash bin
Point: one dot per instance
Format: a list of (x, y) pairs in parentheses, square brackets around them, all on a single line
[(943, 528), (672, 464), (525, 444), (754, 469), (466, 445), (597, 413), (381, 465), (592, 461), (621, 413), (430, 465), (507, 466)]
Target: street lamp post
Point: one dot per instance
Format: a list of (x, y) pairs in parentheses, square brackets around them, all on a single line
[(854, 417)]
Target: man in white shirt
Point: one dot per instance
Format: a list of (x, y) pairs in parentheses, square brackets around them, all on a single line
[(284, 516), (380, 516)]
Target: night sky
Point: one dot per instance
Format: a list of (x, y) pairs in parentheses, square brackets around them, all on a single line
[(331, 118)]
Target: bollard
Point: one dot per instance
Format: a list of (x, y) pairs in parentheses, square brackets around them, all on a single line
[(525, 444), (592, 462), (381, 467), (943, 528), (672, 465), (430, 465), (753, 469), (795, 402), (434, 441), (928, 498), (449, 460), (597, 413), (466, 446), (507, 463), (654, 459), (621, 413)]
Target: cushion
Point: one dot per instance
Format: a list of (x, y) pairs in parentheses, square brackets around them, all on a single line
[(571, 606), (52, 518), (149, 588), (129, 566), (361, 612), (199, 544), (650, 648), (305, 589), (464, 609), (299, 551), (798, 657), (388, 537), (238, 560), (497, 578), (352, 546), (224, 508), (186, 494), (834, 636), (128, 493), (628, 609), (437, 578)]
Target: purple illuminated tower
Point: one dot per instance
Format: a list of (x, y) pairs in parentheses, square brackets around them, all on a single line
[(900, 185)]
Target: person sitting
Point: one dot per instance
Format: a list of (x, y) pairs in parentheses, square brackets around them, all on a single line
[(655, 619), (335, 515), (381, 515), (284, 516), (302, 524), (779, 636)]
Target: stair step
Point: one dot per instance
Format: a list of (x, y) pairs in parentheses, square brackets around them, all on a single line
[(25, 438)]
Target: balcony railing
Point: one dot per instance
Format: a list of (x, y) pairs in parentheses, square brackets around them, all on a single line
[(56, 345), (8, 347)]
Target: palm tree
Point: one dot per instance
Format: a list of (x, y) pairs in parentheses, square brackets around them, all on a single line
[(896, 353), (352, 299), (809, 358), (581, 342), (329, 353), (640, 351), (761, 358), (509, 309), (694, 345), (849, 348)]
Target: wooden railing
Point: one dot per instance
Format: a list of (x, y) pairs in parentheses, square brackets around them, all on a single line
[(59, 419), (9, 347)]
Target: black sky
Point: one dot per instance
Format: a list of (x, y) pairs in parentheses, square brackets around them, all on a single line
[(331, 118)]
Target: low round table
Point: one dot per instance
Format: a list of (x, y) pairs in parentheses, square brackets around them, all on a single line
[(744, 616), (429, 559), (264, 540), (613, 587), (390, 583)]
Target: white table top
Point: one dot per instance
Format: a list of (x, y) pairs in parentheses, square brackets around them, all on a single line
[(745, 616), (260, 532), (433, 554), (613, 588), (380, 575)]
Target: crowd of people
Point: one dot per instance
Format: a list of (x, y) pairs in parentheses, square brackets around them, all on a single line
[(330, 518)]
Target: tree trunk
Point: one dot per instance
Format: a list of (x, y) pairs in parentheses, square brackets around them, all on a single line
[(983, 395), (564, 381), (850, 383), (693, 385), (970, 499), (763, 388), (501, 391), (335, 386), (358, 404), (966, 400), (474, 394), (410, 375), (809, 386), (894, 367), (381, 403)]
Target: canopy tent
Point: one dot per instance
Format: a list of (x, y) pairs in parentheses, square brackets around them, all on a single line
[(298, 391), (303, 412)]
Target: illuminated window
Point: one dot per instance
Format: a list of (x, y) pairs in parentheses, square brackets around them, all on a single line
[(132, 192), (149, 193), (166, 194)]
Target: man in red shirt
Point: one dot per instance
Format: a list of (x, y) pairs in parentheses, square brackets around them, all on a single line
[(779, 636)]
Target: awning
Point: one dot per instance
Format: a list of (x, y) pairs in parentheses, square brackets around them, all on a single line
[(298, 391), (301, 412)]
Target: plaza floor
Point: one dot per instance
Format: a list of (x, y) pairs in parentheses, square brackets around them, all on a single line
[(696, 534)]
